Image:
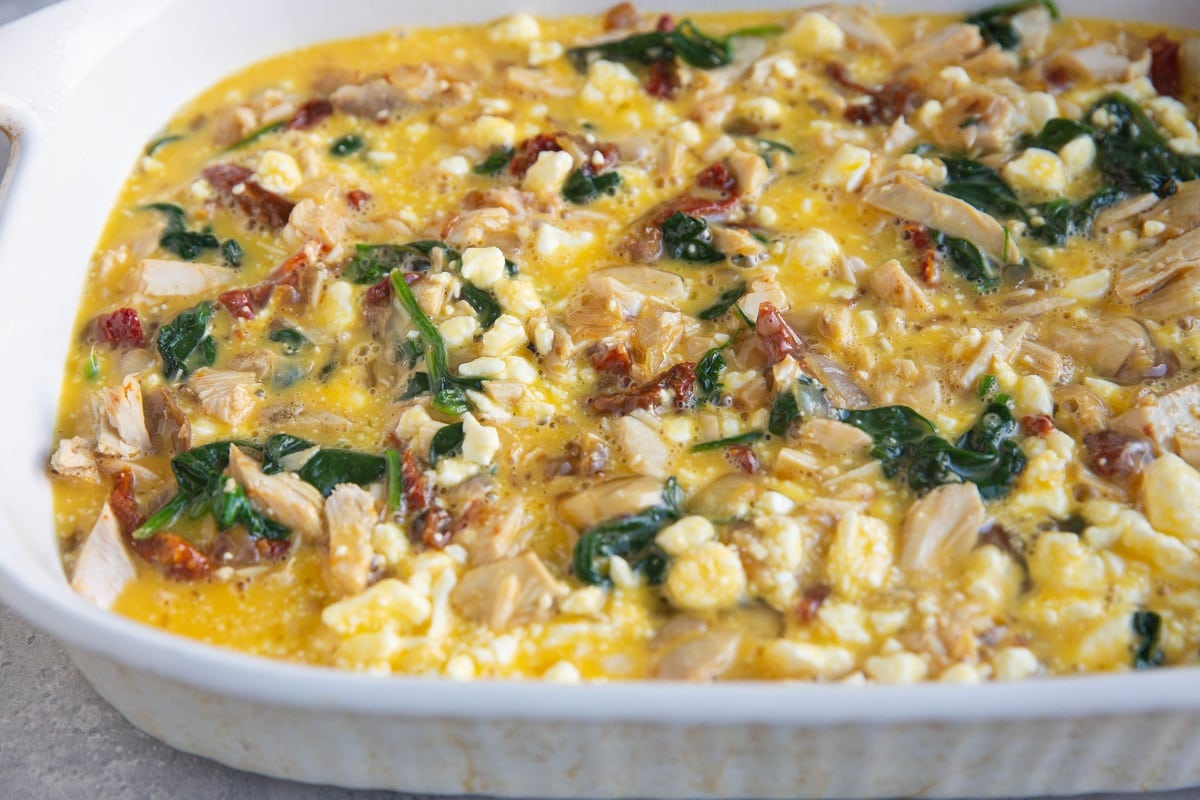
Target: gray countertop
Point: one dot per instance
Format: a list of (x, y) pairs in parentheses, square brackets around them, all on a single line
[(60, 741)]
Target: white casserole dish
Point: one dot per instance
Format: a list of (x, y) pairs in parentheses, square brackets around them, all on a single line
[(82, 86)]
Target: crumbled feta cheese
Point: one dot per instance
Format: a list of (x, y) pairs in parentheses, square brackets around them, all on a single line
[(485, 367), (1014, 663), (483, 266), (544, 52), (1089, 287), (453, 471), (814, 249), (460, 667), (847, 168), (897, 668), (681, 536), (390, 542), (490, 131), (609, 85), (480, 442), (454, 165), (278, 172), (813, 34), (1169, 492), (340, 310), (506, 335), (385, 603), (551, 239), (807, 660), (1078, 155), (518, 297), (520, 370), (708, 577), (765, 111), (587, 601), (1032, 396), (1041, 107), (458, 331), (686, 132), (517, 29), (548, 173), (563, 672), (860, 555), (1039, 172)]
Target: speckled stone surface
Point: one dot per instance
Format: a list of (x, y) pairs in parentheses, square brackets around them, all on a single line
[(60, 741)]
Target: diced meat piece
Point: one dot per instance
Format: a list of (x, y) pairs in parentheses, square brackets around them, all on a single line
[(159, 279), (283, 497), (120, 422), (1080, 411), (621, 17), (103, 565), (1181, 210), (630, 286), (1118, 349), (1033, 26), (350, 516), (373, 99), (1100, 62), (644, 448), (121, 328), (841, 389), (952, 44), (908, 198), (1109, 218), (897, 288), (259, 363), (752, 173), (418, 494), (730, 496), (236, 188), (833, 437), (313, 221), (976, 118), (76, 458), (1178, 297), (1149, 271), (502, 594), (493, 531), (859, 25), (698, 658), (941, 527), (1160, 417), (225, 394), (169, 427), (886, 104), (612, 498)]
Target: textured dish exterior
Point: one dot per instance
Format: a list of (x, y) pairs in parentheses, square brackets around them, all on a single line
[(87, 78)]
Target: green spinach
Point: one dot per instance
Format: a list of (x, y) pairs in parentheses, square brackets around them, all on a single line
[(177, 239), (1147, 630), (687, 238), (724, 302), (729, 441), (446, 443), (995, 23), (374, 262), (327, 468), (687, 42), (266, 130), (582, 187), (483, 302), (185, 343), (796, 403), (631, 537), (969, 261), (347, 145), (496, 161), (982, 187)]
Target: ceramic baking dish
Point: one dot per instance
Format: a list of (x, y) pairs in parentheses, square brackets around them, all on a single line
[(82, 86)]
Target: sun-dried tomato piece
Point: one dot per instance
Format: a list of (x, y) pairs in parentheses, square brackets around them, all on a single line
[(310, 115), (238, 303), (124, 504), (261, 206), (613, 360), (679, 380), (1166, 70), (527, 152), (357, 199), (272, 548), (1116, 455), (665, 24), (1001, 538), (1058, 77), (121, 328), (662, 79), (717, 176), (778, 338), (379, 294), (178, 557), (885, 104), (433, 527), (418, 494), (1037, 424), (743, 457), (921, 240), (811, 601)]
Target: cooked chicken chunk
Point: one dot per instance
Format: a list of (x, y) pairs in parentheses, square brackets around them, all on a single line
[(103, 565), (908, 198), (120, 422), (505, 593), (1149, 271), (284, 497), (159, 279), (698, 658), (225, 394), (949, 45), (76, 458), (350, 516), (612, 498), (941, 527), (494, 530), (1160, 417), (896, 287)]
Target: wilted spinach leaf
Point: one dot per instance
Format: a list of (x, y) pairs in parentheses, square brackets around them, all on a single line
[(582, 187), (982, 187), (327, 468), (687, 238), (496, 161), (347, 145), (1147, 628), (373, 262), (995, 23), (630, 537), (185, 343), (724, 302), (446, 443), (483, 302), (177, 239)]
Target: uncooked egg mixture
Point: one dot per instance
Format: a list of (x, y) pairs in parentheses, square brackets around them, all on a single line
[(808, 345)]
